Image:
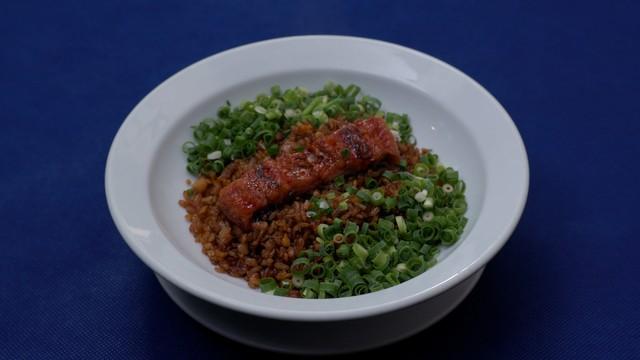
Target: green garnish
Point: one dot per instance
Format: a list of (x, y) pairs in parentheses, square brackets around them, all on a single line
[(370, 183), (273, 150), (377, 198), (364, 195), (238, 131), (402, 244)]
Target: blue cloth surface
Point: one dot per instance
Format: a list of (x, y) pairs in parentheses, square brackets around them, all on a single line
[(567, 284)]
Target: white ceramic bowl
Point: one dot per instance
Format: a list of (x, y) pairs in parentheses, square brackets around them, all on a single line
[(450, 113)]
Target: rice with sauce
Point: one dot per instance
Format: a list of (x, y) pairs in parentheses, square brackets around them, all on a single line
[(280, 233)]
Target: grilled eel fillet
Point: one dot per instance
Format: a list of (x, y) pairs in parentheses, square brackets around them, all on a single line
[(349, 149)]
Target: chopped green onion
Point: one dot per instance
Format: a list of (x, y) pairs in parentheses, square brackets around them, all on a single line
[(460, 206), (360, 251), (351, 230), (351, 276), (405, 253), (389, 203), (297, 280), (329, 262), (281, 292), (320, 115), (389, 175), (345, 291), (321, 230), (323, 204), (449, 236), (214, 155), (300, 266), (273, 150), (343, 251), (392, 277), (360, 289), (416, 266), (421, 170), (330, 288), (429, 231), (377, 198), (327, 249), (381, 261), (402, 226), (385, 224), (218, 165), (364, 195), (268, 284), (420, 196), (412, 214), (308, 293), (351, 190)]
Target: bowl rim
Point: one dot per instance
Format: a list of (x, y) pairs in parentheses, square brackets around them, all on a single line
[(334, 310)]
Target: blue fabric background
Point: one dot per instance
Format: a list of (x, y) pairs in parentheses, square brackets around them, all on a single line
[(567, 285)]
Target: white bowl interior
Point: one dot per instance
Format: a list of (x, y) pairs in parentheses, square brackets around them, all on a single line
[(433, 126)]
